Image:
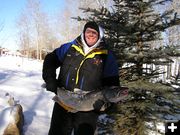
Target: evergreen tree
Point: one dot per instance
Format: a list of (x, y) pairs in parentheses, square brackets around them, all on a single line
[(130, 28)]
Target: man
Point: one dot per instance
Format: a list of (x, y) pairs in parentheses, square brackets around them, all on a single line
[(85, 64)]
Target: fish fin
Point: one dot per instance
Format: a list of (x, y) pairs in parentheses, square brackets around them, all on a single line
[(55, 98)]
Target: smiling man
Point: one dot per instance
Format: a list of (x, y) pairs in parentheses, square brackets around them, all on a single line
[(85, 65)]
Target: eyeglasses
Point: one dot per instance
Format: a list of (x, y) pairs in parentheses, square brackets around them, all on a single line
[(91, 31)]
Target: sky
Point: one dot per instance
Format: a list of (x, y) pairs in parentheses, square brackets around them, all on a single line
[(10, 10)]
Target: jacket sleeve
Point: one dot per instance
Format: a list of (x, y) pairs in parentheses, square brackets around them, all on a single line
[(54, 60), (111, 71), (51, 63)]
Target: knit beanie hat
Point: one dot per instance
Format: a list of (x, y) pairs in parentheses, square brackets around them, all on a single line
[(92, 25)]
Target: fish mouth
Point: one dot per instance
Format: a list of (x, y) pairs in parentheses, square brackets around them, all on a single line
[(121, 95)]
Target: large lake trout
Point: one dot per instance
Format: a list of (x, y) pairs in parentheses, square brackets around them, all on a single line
[(85, 101)]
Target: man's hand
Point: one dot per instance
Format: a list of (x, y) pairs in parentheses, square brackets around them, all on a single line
[(51, 85), (98, 104)]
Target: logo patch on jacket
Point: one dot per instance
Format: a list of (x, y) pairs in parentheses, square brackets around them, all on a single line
[(97, 61)]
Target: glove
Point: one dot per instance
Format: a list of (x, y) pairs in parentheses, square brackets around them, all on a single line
[(51, 85), (98, 104)]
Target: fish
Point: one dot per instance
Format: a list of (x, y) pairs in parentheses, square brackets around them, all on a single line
[(79, 100)]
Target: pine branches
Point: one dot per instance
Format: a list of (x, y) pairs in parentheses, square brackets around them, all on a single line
[(149, 102), (131, 28)]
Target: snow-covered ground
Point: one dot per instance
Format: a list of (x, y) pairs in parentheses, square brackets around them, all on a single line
[(21, 78)]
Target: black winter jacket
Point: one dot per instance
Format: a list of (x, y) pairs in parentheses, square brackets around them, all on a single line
[(87, 72)]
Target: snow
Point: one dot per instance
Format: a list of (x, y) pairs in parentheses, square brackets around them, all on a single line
[(21, 78)]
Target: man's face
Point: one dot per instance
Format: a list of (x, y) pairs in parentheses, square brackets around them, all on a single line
[(91, 36)]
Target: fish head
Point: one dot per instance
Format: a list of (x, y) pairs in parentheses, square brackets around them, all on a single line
[(116, 94)]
